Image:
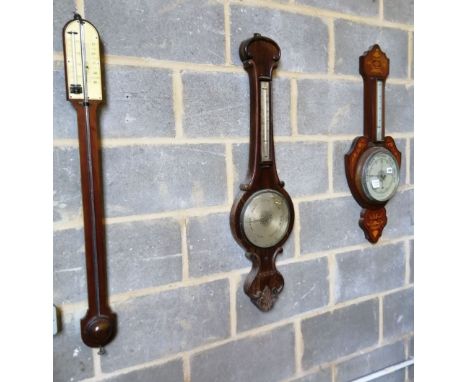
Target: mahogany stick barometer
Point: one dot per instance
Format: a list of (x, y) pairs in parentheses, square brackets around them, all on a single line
[(84, 91), (262, 215), (373, 162)]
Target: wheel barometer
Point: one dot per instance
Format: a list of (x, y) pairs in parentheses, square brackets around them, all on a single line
[(373, 162), (262, 216)]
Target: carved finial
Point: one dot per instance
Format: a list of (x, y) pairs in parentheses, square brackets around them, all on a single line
[(372, 223), (374, 63)]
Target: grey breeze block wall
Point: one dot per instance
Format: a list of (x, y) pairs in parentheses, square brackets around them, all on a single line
[(175, 134)]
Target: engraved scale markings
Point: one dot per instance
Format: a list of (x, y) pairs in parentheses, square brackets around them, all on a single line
[(265, 218), (381, 176), (74, 45), (265, 119), (378, 134)]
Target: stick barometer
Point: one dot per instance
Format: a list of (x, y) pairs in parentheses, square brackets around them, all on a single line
[(373, 162), (84, 90), (262, 216)]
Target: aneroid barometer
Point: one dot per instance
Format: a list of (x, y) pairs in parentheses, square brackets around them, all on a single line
[(84, 90), (373, 162), (262, 216)]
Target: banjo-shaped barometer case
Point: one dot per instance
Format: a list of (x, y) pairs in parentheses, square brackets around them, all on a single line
[(262, 215)]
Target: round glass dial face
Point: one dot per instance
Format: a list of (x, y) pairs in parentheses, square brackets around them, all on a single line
[(265, 218), (380, 175)]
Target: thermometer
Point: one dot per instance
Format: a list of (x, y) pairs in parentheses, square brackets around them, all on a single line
[(265, 120), (84, 91), (379, 101)]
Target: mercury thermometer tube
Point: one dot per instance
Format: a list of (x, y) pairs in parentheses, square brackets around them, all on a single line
[(265, 120), (379, 117), (75, 87)]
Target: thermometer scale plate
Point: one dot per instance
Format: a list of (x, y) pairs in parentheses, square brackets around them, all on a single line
[(265, 119), (379, 135), (76, 36)]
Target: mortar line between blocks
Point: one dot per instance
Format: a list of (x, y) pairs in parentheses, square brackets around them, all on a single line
[(116, 300), (299, 346), (331, 278), (178, 102), (258, 331), (339, 250), (80, 8), (140, 366), (323, 13), (229, 173), (381, 320), (407, 340), (190, 212), (188, 354), (198, 212), (407, 356), (330, 166), (294, 128), (410, 53), (227, 33), (97, 363), (407, 262), (408, 161), (184, 249), (333, 372), (381, 10), (331, 45), (186, 367), (162, 141), (332, 364), (297, 231), (233, 284), (254, 332), (147, 62), (176, 214)]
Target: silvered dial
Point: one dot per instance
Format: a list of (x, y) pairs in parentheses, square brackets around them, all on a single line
[(380, 175), (265, 218)]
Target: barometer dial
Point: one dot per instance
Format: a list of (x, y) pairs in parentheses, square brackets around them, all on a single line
[(265, 218), (380, 175)]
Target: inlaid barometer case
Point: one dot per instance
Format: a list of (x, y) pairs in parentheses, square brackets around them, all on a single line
[(262, 215), (373, 163)]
